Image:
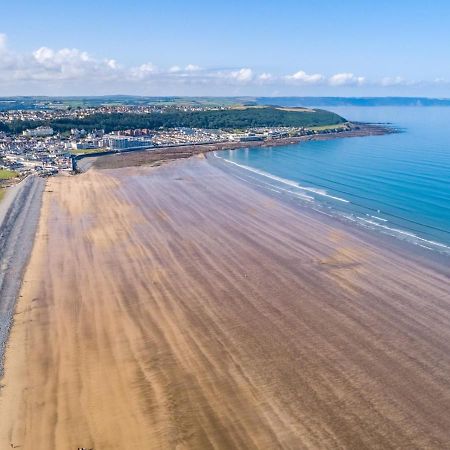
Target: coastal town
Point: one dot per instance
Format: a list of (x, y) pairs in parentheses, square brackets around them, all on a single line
[(42, 150)]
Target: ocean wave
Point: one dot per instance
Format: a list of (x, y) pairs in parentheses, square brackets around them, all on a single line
[(274, 188), (379, 218), (372, 220), (293, 184), (407, 234)]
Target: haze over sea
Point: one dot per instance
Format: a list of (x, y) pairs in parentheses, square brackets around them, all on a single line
[(398, 184)]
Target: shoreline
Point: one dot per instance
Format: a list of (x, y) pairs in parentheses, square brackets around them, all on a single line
[(406, 246), (404, 249), (233, 309), (159, 155)]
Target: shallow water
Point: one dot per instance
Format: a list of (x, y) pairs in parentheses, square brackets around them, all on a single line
[(397, 184)]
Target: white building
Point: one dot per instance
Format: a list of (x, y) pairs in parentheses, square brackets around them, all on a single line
[(83, 145), (123, 143), (38, 132)]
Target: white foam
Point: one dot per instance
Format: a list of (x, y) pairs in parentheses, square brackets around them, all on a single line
[(284, 181), (279, 189), (406, 233), (401, 234), (379, 218)]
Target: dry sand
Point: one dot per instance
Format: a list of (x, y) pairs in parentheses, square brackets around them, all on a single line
[(175, 308)]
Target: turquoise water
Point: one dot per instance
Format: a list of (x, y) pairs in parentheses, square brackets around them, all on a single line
[(397, 184)]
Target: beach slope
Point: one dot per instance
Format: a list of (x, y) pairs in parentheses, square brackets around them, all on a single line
[(19, 216), (178, 307)]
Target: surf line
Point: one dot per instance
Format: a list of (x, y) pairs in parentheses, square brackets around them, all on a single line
[(284, 181)]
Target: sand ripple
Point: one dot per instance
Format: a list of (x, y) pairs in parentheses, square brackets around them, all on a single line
[(175, 307)]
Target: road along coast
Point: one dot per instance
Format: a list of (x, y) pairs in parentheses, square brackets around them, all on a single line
[(178, 307)]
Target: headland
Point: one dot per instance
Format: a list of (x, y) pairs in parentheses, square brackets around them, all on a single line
[(159, 155)]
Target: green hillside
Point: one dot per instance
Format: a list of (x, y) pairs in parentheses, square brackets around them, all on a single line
[(243, 117)]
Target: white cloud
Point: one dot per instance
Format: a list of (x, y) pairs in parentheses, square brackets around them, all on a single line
[(54, 59), (243, 75), (345, 79), (265, 76), (302, 77), (67, 64), (392, 81), (46, 68), (112, 64), (338, 79), (3, 40), (142, 72), (192, 68), (46, 64)]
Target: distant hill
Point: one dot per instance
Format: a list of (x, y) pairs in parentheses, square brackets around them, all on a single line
[(353, 101), (49, 103)]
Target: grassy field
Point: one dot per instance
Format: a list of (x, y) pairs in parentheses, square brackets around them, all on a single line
[(7, 174), (88, 150), (327, 127), (279, 108)]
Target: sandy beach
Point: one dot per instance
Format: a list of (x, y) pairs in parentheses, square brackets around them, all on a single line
[(176, 307)]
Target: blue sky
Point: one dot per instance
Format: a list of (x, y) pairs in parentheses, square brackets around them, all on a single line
[(245, 47)]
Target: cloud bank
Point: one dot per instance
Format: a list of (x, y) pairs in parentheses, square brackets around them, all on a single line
[(68, 67)]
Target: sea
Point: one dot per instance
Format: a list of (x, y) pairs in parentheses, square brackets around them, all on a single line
[(395, 184)]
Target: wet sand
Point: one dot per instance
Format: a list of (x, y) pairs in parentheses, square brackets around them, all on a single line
[(176, 307)]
